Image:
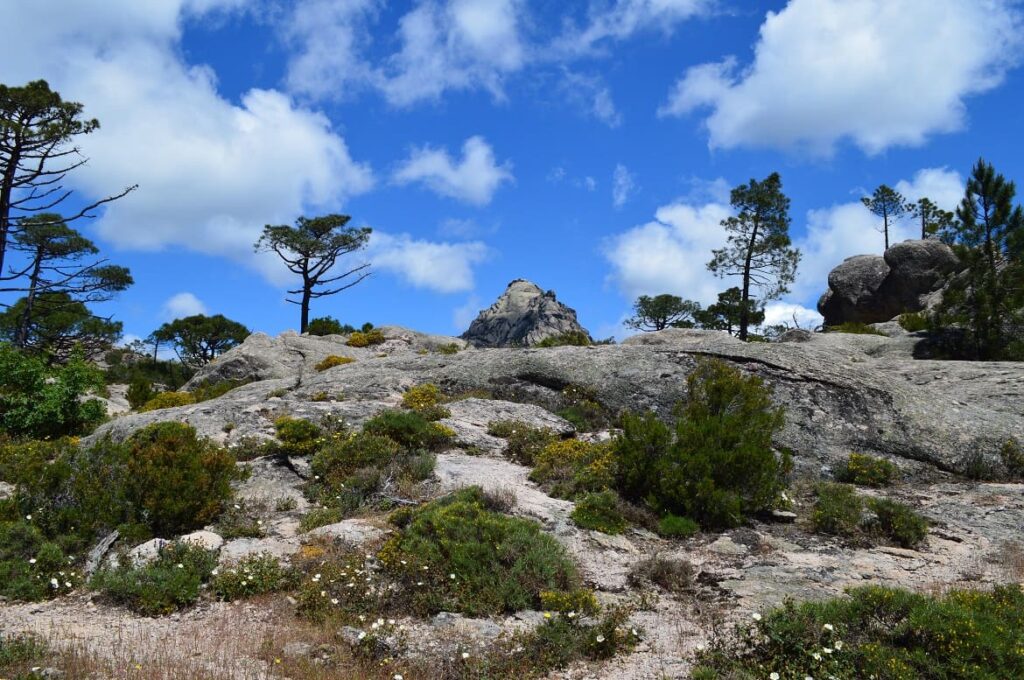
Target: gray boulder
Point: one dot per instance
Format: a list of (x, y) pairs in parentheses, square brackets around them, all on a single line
[(874, 288), (523, 316)]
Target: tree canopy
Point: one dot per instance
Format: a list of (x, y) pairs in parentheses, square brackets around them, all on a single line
[(199, 339), (662, 311), (890, 206)]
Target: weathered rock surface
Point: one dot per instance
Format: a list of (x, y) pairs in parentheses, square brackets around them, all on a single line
[(523, 315), (876, 288)]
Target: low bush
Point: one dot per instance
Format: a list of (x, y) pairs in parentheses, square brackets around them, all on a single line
[(454, 554), (877, 632), (169, 583), (599, 512), (717, 466), (671, 574), (253, 575), (328, 325), (524, 441), (18, 653), (409, 429), (298, 436), (853, 328), (838, 510), (897, 523), (673, 526), (569, 338), (31, 567), (168, 400), (332, 361), (422, 397), (241, 520), (580, 601), (450, 348), (336, 461), (140, 392), (569, 467), (914, 321), (865, 470), (581, 407), (1012, 455), (366, 339), (212, 390)]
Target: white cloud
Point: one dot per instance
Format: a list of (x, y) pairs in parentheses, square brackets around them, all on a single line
[(621, 19), (776, 313), (211, 172), (440, 267), (463, 315), (473, 179), (668, 254), (588, 183), (182, 305), (847, 229), (880, 73), (592, 95), (623, 185)]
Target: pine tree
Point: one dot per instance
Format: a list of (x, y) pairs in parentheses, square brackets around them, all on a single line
[(888, 204)]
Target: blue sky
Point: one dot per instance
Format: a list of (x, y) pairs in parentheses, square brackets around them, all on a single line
[(588, 146)]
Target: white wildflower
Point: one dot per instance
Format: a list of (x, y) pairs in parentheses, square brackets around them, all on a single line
[(756, 616), (600, 638), (829, 627)]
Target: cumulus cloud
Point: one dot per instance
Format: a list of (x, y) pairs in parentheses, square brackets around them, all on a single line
[(668, 254), (474, 179), (879, 73), (440, 267), (182, 305), (621, 19), (211, 172), (791, 314), (847, 229), (623, 185)]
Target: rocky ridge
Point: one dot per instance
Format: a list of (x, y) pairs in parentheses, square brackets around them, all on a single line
[(522, 316)]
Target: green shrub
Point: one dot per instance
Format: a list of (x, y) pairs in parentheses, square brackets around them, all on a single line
[(673, 526), (298, 436), (914, 321), (41, 401), (450, 348), (1013, 459), (240, 520), (327, 325), (568, 467), (253, 575), (718, 466), (454, 554), (672, 574), (838, 510), (882, 633), (212, 390), (854, 328), (320, 517), (169, 583), (524, 441), (409, 429), (332, 361), (599, 512), (582, 408), (897, 523), (366, 339), (580, 601), (140, 391), (422, 397), (865, 470), (176, 480), (168, 400), (571, 338), (337, 460), (31, 567)]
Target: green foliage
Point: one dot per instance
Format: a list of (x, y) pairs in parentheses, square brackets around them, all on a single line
[(1012, 455), (199, 339), (568, 467), (450, 348), (18, 653), (140, 392), (672, 574), (914, 321), (253, 575), (332, 361), (888, 205), (837, 510), (366, 339), (169, 583), (168, 400), (662, 311), (718, 466), (882, 633), (673, 526), (854, 328), (454, 554), (41, 401), (59, 326), (582, 408), (298, 436), (31, 567), (328, 325), (422, 397), (524, 441), (129, 365), (337, 460), (569, 338), (580, 601), (865, 470), (176, 480), (897, 523), (409, 429), (599, 512), (321, 517), (726, 314)]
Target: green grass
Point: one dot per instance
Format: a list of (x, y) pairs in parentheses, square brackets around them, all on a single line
[(879, 632)]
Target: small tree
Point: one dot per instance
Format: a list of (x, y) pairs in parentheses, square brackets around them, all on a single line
[(935, 222), (58, 326), (888, 204), (725, 314), (37, 130), (758, 248), (199, 339), (311, 249), (662, 311)]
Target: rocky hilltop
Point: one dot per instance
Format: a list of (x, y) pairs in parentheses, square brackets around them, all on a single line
[(522, 316)]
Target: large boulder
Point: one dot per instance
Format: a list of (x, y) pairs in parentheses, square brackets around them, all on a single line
[(877, 288), (523, 316)]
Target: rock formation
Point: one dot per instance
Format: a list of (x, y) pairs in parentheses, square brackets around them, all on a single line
[(523, 316), (909, 277)]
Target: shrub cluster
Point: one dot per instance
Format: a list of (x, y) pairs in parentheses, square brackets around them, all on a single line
[(599, 511), (297, 436), (168, 400), (328, 325), (332, 361), (32, 567), (409, 429), (524, 441), (877, 632), (839, 510), (582, 408), (865, 470), (165, 585), (253, 575), (421, 397), (366, 338), (914, 321), (569, 338), (569, 467)]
